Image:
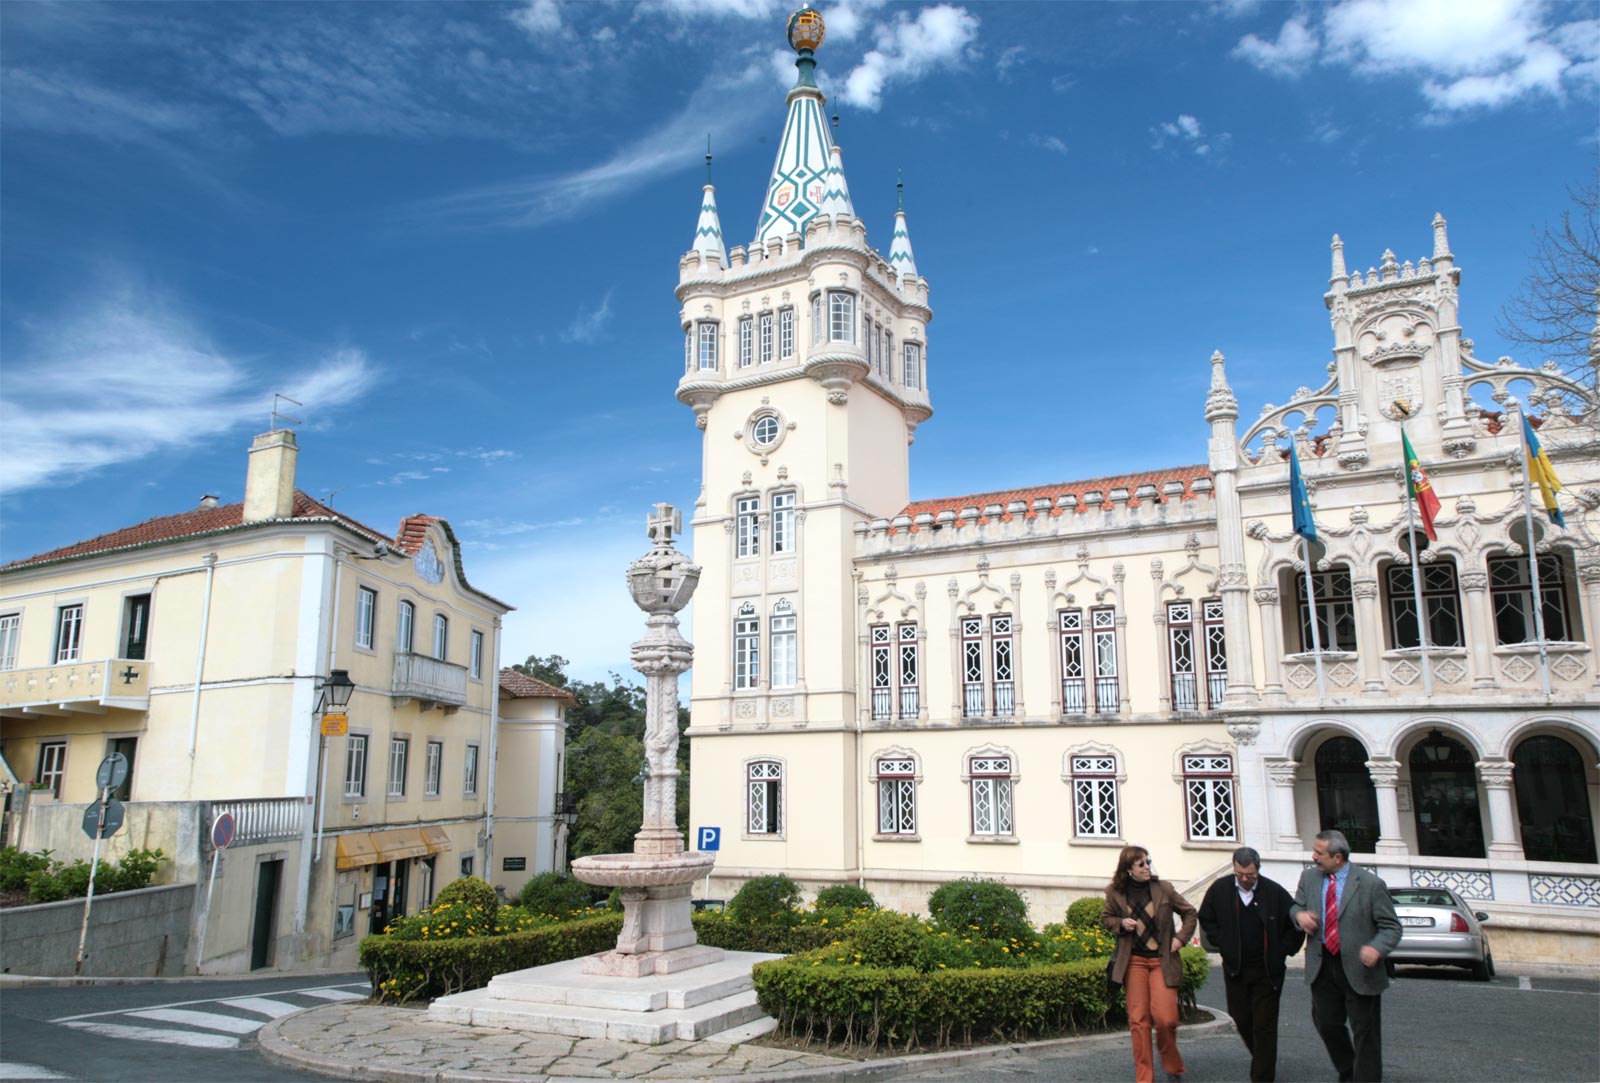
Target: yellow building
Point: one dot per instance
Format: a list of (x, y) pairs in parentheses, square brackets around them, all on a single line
[(199, 645)]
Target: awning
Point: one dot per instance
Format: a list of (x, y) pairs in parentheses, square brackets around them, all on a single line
[(356, 851)]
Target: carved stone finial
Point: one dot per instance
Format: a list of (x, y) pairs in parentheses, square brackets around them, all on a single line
[(1220, 401), (1441, 242), (662, 523), (1339, 273)]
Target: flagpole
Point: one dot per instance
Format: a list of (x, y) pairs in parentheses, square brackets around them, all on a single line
[(1316, 636), (1416, 581), (1533, 556)]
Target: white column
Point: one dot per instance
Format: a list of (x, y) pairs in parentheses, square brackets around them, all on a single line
[(1271, 641), (1369, 634), (1503, 842), (1480, 629), (1589, 576), (1385, 781), (1285, 827)]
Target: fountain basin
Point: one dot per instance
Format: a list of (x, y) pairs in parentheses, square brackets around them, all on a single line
[(639, 871)]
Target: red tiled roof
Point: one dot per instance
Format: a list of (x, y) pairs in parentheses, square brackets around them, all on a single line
[(195, 522), (1188, 475), (413, 529), (521, 686)]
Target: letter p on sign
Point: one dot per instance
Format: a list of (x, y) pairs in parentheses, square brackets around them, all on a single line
[(708, 839)]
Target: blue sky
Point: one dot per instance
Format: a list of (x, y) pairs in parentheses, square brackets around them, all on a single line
[(452, 231)]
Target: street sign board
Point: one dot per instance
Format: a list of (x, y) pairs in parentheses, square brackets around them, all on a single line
[(223, 830), (335, 725), (115, 814), (113, 771), (708, 839)]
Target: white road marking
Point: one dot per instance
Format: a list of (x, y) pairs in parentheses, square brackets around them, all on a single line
[(275, 1009), (13, 1070), (209, 1020), (1523, 982), (204, 1000), (154, 1034), (332, 994)]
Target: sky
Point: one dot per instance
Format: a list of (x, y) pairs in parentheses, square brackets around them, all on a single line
[(451, 232)]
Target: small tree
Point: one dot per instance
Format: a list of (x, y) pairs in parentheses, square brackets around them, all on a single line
[(1555, 313)]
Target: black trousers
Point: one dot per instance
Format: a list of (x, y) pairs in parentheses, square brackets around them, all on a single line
[(1356, 1052), (1253, 1004)]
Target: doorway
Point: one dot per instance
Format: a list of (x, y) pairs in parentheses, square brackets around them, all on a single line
[(263, 929)]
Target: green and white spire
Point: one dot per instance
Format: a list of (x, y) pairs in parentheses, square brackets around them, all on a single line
[(708, 231), (836, 191), (803, 173), (901, 261)]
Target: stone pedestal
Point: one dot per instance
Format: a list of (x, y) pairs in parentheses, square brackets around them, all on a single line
[(657, 933)]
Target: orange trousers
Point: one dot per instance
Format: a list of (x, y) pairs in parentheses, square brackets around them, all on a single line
[(1150, 1001)]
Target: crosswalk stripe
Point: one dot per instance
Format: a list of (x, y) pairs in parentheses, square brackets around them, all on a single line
[(209, 1020), (275, 1009), (16, 1070), (155, 1034), (332, 994)]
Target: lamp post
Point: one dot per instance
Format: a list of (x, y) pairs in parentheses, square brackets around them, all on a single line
[(333, 696)]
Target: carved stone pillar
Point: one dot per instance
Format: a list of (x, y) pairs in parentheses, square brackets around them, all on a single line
[(1271, 642), (1502, 813), (1386, 782), (1369, 635), (1017, 706), (1164, 661), (1285, 827), (1480, 629), (1589, 576)]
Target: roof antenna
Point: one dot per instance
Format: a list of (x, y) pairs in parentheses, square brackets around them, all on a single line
[(708, 157), (900, 188), (279, 416), (328, 500)]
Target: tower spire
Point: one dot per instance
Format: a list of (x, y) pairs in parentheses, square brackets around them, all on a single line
[(801, 172), (900, 258), (708, 230)]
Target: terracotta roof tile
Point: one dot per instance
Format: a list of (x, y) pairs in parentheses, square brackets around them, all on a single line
[(521, 686), (413, 529), (1188, 475)]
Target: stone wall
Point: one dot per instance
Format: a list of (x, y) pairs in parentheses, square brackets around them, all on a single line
[(142, 933)]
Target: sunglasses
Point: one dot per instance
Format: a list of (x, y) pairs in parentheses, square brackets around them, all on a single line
[(1142, 861)]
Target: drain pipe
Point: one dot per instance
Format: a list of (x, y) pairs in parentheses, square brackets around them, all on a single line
[(322, 742), (494, 757), (210, 562)]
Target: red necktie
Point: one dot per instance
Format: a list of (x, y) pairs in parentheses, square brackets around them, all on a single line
[(1330, 907)]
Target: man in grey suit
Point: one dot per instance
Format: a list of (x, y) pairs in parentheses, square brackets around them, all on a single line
[(1350, 926)]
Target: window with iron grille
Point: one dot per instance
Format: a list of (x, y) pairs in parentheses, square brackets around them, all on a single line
[(910, 697), (747, 526), (880, 667), (764, 798), (783, 522), (991, 794), (1181, 662), (403, 628), (1336, 614), (913, 365), (897, 796), (841, 316), (1001, 656), (469, 776), (433, 768), (1511, 595), (475, 655), (355, 765), (784, 656), (10, 633), (69, 633), (1440, 601), (708, 344), (785, 332), (747, 648), (972, 667), (1094, 797), (1104, 630), (366, 616), (1074, 690), (399, 755), (52, 766), (767, 333), (1208, 793), (747, 341), (1216, 648)]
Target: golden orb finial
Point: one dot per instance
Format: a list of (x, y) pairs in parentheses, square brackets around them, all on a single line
[(806, 31)]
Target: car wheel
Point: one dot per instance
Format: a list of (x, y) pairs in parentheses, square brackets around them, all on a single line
[(1483, 971)]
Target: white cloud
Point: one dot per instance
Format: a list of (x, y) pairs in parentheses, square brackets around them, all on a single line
[(845, 21), (1187, 133), (129, 376), (1052, 143), (539, 18), (587, 326), (1288, 56), (716, 9), (907, 49), (1009, 58)]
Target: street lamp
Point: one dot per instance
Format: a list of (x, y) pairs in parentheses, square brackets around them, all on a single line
[(335, 692), (333, 696)]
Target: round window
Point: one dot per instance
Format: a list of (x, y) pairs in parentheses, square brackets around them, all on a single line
[(765, 432)]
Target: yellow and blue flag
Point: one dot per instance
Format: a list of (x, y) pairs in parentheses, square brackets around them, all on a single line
[(1542, 474), (1304, 524)]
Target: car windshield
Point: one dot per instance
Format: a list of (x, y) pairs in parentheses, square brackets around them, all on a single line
[(1416, 897)]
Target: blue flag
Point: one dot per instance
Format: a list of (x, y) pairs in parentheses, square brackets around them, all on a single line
[(1304, 524)]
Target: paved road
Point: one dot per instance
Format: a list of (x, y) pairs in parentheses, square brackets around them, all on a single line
[(156, 1031), (1437, 1026)]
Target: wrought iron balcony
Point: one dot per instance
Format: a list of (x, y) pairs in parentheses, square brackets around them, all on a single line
[(429, 681), (71, 688)]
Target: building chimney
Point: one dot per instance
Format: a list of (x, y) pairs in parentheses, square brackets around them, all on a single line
[(269, 483), (209, 501)]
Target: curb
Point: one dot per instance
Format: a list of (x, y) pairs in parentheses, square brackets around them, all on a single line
[(23, 981), (275, 1048)]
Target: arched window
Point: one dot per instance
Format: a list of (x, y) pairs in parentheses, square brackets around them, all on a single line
[(1553, 801), (1444, 796), (1346, 800)]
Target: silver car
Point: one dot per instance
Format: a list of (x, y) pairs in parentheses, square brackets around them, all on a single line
[(1438, 929)]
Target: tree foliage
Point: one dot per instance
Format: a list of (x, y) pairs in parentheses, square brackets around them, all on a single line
[(1555, 314)]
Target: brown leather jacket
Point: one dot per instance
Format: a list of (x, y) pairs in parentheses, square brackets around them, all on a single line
[(1167, 900)]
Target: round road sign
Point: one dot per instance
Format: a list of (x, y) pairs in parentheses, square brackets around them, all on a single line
[(114, 816), (113, 771), (222, 831)]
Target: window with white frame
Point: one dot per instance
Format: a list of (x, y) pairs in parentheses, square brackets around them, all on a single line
[(747, 526), (1336, 611), (10, 634), (1094, 796), (991, 785), (1216, 648), (1074, 686), (816, 319), (433, 768), (475, 655), (1106, 688), (1181, 661), (747, 648), (441, 635), (910, 696), (1511, 596), (1001, 658), (880, 667), (405, 628), (1441, 601), (783, 522), (366, 616), (913, 365), (469, 775), (784, 656), (747, 341), (52, 766), (768, 335), (892, 666), (764, 797), (355, 765), (972, 667), (707, 331), (69, 633), (1208, 794), (785, 332), (897, 795), (841, 316), (399, 755)]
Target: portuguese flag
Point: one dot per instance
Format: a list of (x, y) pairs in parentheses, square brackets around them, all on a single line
[(1420, 489)]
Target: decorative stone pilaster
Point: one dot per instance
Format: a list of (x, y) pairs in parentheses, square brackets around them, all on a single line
[(1589, 576), (1285, 827), (1503, 841), (1271, 642), (1369, 634), (1386, 784), (1475, 585)]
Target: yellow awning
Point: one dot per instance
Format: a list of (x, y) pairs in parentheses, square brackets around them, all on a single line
[(436, 839), (357, 851)]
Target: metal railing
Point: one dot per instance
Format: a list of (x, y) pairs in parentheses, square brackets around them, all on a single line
[(1217, 687), (1185, 692), (1105, 696), (259, 819), (1004, 698), (882, 704), (973, 704), (1073, 692), (418, 676), (910, 703)]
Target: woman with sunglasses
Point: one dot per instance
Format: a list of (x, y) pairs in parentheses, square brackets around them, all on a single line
[(1139, 913)]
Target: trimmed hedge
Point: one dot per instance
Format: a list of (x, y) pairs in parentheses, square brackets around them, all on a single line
[(1085, 913), (721, 931), (557, 894), (845, 897), (766, 900), (986, 908)]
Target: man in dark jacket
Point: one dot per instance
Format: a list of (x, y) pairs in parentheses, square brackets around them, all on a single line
[(1246, 917)]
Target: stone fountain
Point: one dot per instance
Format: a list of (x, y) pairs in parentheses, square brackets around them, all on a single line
[(658, 984)]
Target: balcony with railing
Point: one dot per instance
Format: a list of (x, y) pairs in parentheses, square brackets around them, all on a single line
[(1004, 699), (70, 688), (972, 705), (1105, 696), (882, 704), (910, 702), (1073, 696), (259, 819), (429, 681)]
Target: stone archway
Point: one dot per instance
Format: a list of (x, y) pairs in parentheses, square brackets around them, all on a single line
[(1553, 800), (1444, 786), (1346, 798)]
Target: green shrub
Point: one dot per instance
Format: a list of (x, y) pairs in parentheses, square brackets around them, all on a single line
[(845, 897), (555, 893), (134, 871), (766, 900), (45, 886), (885, 938), (456, 920), (17, 865), (1085, 913), (721, 931), (986, 909), (1069, 943), (472, 891)]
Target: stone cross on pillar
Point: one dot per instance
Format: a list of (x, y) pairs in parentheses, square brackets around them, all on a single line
[(663, 523)]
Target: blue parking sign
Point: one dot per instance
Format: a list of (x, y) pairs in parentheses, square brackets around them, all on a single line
[(708, 839)]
